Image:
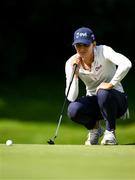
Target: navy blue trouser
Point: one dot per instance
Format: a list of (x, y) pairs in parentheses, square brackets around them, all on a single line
[(107, 105)]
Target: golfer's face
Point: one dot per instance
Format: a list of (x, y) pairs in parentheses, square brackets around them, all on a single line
[(84, 50)]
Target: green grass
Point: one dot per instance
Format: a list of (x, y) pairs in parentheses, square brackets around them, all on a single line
[(22, 132), (65, 162), (29, 113)]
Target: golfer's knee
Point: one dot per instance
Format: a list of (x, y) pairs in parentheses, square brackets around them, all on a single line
[(74, 110), (103, 96)]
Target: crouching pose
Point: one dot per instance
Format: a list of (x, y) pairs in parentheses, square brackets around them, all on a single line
[(101, 69)]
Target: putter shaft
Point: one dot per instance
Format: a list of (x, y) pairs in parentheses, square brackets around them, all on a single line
[(61, 114)]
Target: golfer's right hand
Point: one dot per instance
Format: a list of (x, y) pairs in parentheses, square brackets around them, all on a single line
[(76, 60)]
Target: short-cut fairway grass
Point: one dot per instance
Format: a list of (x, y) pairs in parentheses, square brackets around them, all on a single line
[(65, 162)]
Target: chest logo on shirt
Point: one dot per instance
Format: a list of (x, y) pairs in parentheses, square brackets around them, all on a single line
[(98, 67)]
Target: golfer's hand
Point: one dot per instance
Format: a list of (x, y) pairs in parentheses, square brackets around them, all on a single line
[(77, 60), (104, 85)]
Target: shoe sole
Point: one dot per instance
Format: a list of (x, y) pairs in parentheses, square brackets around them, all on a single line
[(108, 143)]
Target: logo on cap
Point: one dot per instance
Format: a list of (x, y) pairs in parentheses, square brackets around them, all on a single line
[(80, 34)]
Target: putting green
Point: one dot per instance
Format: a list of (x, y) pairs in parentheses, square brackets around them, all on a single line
[(65, 162)]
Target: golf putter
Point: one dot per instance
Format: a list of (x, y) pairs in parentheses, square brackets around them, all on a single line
[(51, 141)]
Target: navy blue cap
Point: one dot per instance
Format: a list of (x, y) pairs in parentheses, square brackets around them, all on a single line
[(83, 35)]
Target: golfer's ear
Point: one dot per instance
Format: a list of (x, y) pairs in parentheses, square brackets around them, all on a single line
[(94, 43)]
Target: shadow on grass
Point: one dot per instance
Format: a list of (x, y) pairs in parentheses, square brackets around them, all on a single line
[(129, 144)]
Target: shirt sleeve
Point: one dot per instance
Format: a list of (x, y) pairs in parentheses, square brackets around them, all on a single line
[(74, 88), (123, 63)]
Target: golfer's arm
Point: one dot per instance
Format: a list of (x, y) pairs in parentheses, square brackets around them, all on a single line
[(123, 63), (74, 88), (121, 72)]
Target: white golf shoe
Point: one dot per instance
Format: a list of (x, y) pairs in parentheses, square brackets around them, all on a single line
[(93, 136), (109, 138)]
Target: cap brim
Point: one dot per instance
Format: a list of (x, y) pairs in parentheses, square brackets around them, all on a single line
[(82, 41)]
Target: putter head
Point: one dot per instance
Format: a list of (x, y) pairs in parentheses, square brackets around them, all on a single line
[(51, 142)]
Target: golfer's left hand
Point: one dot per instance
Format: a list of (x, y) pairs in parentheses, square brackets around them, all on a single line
[(104, 85)]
